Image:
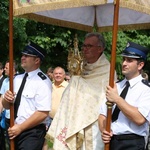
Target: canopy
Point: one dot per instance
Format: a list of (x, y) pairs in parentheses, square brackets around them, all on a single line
[(86, 14)]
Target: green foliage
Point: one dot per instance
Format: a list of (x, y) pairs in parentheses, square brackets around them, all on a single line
[(57, 40), (50, 144), (138, 36), (4, 29)]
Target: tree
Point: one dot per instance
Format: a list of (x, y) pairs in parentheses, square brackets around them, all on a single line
[(138, 36), (57, 40)]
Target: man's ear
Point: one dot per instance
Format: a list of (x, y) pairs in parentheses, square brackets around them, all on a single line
[(100, 49), (37, 60), (141, 65)]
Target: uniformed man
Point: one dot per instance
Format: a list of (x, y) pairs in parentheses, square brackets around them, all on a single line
[(5, 122), (32, 108), (130, 126)]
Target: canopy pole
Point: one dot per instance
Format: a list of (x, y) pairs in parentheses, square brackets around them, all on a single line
[(12, 145), (112, 66)]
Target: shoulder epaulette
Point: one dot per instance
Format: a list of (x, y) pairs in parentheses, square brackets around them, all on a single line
[(146, 82), (20, 73), (41, 75), (16, 74), (119, 81)]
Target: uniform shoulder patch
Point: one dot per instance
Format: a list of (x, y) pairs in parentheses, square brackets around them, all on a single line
[(21, 73), (119, 81), (146, 82), (18, 74), (41, 75)]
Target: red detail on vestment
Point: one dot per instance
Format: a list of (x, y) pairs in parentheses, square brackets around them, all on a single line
[(62, 136)]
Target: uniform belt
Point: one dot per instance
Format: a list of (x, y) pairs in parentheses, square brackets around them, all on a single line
[(36, 127), (40, 126), (127, 137)]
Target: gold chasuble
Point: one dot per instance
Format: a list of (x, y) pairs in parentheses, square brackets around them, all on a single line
[(75, 125)]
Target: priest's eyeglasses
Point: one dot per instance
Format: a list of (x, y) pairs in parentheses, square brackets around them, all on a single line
[(88, 46)]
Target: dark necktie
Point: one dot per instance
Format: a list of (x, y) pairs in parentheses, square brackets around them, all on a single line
[(18, 97), (123, 95)]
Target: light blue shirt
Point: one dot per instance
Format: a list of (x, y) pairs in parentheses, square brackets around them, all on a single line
[(4, 88)]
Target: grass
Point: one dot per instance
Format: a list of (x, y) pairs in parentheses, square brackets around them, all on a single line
[(50, 144)]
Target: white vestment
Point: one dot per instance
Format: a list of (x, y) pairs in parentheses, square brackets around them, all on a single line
[(75, 125)]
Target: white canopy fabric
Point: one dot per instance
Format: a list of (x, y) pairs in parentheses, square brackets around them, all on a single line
[(86, 14)]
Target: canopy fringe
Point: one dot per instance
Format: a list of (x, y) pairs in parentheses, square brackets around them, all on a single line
[(83, 27), (126, 27), (57, 22)]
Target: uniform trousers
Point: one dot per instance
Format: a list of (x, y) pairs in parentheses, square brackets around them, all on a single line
[(127, 142), (32, 139), (7, 122), (2, 139)]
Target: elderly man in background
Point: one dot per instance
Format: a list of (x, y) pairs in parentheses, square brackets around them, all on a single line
[(58, 88), (75, 125)]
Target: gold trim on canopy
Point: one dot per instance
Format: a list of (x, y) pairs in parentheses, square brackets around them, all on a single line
[(30, 6), (83, 27), (137, 5), (126, 27), (57, 22), (31, 9)]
